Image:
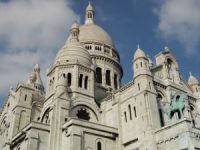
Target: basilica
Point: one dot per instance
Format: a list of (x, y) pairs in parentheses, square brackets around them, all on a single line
[(84, 105)]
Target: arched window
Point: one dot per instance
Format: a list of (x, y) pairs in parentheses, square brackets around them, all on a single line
[(136, 66), (69, 79), (86, 82), (135, 113), (139, 86), (80, 80), (196, 89), (115, 81), (141, 64), (98, 75), (99, 146), (125, 117), (108, 82), (129, 108)]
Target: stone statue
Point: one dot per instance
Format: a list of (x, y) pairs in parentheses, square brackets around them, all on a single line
[(177, 105)]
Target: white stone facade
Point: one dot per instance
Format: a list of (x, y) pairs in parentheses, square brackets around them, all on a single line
[(85, 107)]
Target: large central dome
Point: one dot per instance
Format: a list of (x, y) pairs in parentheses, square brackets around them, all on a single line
[(94, 33)]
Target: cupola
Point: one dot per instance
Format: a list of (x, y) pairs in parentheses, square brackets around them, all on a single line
[(73, 51)]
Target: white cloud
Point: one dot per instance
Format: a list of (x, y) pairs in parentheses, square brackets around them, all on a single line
[(31, 31), (180, 19)]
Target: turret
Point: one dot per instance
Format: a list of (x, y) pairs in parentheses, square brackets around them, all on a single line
[(194, 84), (140, 63)]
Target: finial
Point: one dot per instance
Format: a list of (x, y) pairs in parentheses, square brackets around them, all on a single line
[(37, 68), (166, 48), (138, 46), (74, 31)]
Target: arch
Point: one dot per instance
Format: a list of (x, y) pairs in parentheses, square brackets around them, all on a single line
[(108, 79), (69, 79), (86, 82), (99, 75), (45, 117)]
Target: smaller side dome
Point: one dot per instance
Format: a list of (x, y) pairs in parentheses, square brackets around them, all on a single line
[(192, 80), (139, 53), (73, 51)]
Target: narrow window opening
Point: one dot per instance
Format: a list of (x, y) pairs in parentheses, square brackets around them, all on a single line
[(115, 81), (139, 86), (135, 113), (129, 108), (86, 82), (99, 147), (108, 77), (80, 80), (98, 75), (161, 118), (141, 64), (196, 89), (25, 97), (69, 79), (136, 66), (64, 75), (125, 117)]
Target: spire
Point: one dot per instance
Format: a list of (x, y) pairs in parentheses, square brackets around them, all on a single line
[(89, 15), (37, 79), (74, 32)]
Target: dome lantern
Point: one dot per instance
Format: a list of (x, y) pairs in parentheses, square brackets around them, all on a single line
[(74, 32), (89, 15)]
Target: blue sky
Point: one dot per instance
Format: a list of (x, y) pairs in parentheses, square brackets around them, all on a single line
[(33, 31)]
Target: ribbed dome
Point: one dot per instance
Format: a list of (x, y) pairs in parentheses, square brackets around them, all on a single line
[(94, 33), (192, 80), (139, 53), (73, 51)]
